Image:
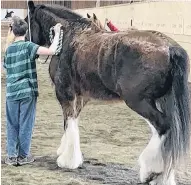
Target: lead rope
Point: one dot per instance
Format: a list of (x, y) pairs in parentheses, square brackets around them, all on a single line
[(51, 37), (29, 20), (29, 28)]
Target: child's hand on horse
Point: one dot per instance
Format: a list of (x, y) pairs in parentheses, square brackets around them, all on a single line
[(57, 27)]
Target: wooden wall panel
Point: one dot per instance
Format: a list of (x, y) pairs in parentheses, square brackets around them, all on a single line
[(78, 4)]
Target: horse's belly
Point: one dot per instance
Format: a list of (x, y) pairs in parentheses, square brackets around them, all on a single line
[(92, 86)]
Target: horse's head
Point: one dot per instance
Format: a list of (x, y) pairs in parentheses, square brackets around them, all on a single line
[(36, 31), (43, 17), (95, 22)]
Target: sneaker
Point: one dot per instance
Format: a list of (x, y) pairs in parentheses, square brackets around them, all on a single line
[(11, 161), (25, 160)]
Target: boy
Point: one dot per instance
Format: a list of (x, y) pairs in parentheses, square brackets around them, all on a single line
[(22, 91)]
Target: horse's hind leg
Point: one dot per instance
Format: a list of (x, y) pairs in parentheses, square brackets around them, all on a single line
[(69, 152), (151, 160), (152, 163), (159, 180)]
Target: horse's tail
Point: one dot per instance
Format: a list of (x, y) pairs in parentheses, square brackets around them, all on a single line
[(175, 105)]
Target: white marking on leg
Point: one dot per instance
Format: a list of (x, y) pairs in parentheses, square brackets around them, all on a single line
[(171, 179), (71, 157), (151, 160), (74, 106), (62, 145)]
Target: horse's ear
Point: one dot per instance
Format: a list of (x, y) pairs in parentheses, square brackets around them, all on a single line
[(88, 15), (31, 6), (94, 16)]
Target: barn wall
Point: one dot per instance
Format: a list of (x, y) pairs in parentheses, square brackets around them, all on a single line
[(23, 4), (73, 4), (16, 6)]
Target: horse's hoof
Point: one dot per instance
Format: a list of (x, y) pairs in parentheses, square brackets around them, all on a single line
[(71, 163), (62, 163), (157, 180), (151, 179)]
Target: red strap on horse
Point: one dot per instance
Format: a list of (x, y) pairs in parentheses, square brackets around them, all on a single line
[(112, 27)]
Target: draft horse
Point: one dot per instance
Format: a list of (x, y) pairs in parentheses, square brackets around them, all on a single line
[(146, 69)]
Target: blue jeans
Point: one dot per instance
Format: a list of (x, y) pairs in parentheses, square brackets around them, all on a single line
[(20, 122)]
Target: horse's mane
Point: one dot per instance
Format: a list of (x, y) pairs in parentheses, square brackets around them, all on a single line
[(65, 13), (50, 15)]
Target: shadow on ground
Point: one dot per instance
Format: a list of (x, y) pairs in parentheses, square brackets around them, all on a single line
[(92, 169)]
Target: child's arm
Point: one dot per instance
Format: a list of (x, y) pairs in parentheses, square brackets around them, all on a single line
[(10, 38), (3, 65), (52, 49), (39, 50)]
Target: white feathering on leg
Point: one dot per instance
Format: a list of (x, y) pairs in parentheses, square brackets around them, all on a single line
[(151, 160), (71, 157)]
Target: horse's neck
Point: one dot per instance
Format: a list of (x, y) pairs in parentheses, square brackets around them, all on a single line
[(46, 24), (100, 25), (45, 19), (69, 30)]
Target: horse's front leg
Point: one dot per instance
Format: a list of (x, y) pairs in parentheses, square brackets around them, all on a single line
[(69, 152)]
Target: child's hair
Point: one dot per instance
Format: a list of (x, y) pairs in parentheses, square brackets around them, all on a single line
[(19, 26)]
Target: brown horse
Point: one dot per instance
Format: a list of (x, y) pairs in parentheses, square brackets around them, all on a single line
[(146, 69), (97, 25)]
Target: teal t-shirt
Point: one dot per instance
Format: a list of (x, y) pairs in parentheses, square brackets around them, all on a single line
[(21, 78)]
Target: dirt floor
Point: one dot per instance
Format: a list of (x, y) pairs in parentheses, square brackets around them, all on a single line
[(112, 137)]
